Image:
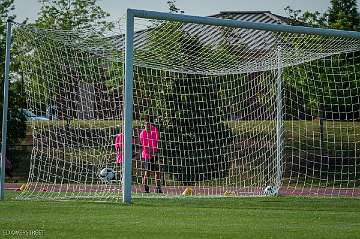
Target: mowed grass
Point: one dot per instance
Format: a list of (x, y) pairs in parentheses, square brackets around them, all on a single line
[(277, 217)]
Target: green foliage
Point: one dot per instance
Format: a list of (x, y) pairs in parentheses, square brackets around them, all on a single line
[(199, 140), (58, 63), (6, 7), (167, 51), (321, 88), (343, 14), (188, 107), (172, 7), (61, 64), (307, 18), (16, 121), (320, 85), (72, 14)]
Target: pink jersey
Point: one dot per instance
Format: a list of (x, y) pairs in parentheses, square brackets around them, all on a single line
[(119, 147), (149, 141)]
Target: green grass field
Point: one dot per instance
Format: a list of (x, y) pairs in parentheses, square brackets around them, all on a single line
[(279, 217)]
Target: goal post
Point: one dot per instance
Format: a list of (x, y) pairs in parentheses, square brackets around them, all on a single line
[(5, 110), (279, 122), (128, 109)]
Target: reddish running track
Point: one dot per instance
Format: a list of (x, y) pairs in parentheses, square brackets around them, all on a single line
[(199, 191)]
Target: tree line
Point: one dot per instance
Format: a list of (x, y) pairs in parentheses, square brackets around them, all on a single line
[(326, 90)]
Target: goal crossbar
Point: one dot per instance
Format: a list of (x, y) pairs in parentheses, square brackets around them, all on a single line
[(131, 13)]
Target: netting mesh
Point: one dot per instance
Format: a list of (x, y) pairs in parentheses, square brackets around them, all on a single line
[(236, 110)]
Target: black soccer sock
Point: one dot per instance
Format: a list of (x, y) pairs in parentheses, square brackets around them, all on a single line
[(146, 188)]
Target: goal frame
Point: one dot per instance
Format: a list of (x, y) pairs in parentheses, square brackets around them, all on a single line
[(131, 14), (128, 85)]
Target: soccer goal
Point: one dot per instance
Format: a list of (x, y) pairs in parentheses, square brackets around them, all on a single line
[(176, 105)]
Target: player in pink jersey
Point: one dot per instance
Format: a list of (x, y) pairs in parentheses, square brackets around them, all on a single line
[(119, 146), (149, 138)]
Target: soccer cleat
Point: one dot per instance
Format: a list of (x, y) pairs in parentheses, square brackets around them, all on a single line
[(158, 189), (146, 189)]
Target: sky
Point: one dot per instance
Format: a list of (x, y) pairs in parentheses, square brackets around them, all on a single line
[(117, 8)]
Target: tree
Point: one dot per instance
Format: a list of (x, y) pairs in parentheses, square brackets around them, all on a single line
[(323, 94), (71, 14), (307, 18), (173, 8), (344, 15), (6, 6), (187, 106), (84, 23), (16, 121)]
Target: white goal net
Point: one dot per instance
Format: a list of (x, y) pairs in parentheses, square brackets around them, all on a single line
[(229, 111)]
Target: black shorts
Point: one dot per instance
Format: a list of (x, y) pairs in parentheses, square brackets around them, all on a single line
[(152, 164)]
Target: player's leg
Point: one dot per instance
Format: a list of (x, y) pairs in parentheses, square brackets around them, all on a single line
[(157, 175), (120, 170), (145, 177), (158, 182)]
